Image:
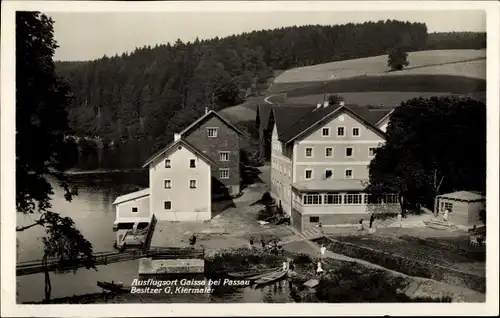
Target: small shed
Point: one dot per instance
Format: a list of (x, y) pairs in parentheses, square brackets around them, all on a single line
[(464, 207)]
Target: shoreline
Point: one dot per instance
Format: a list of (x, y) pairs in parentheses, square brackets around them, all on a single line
[(101, 171)]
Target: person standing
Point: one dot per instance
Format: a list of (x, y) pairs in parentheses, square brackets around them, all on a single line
[(372, 219), (323, 251), (319, 269), (400, 219), (320, 225), (445, 215), (360, 226)]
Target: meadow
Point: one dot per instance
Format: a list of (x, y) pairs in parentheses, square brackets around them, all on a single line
[(377, 66), (386, 99), (368, 81)]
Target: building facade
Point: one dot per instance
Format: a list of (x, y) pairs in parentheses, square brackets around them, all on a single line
[(219, 140), (319, 163), (177, 174)]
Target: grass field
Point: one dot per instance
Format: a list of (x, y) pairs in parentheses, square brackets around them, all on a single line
[(472, 64), (367, 81), (388, 99), (396, 82)]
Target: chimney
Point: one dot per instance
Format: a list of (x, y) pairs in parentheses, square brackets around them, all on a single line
[(177, 136), (342, 103), (206, 110), (318, 106), (325, 103)]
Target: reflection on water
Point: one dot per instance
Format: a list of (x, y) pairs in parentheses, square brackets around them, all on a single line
[(93, 213)]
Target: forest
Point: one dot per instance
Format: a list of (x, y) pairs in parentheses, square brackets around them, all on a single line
[(135, 101)]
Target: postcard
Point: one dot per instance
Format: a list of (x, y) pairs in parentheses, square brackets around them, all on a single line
[(249, 158)]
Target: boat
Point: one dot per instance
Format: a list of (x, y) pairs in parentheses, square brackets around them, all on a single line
[(270, 278), (117, 288), (249, 274)]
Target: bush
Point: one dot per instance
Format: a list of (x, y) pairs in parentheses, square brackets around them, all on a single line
[(302, 259), (225, 260)]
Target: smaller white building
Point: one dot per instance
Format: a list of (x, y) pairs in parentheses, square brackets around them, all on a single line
[(464, 207), (180, 182), (133, 215)]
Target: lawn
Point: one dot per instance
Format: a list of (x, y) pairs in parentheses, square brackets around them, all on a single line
[(377, 66), (395, 82)]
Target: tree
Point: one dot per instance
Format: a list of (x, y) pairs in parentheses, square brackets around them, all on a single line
[(398, 59), (335, 99), (41, 146), (424, 151)]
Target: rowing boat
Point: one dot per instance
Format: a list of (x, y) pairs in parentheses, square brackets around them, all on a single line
[(270, 278), (251, 274), (113, 287)]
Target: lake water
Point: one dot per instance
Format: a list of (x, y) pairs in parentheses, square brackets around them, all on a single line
[(93, 214)]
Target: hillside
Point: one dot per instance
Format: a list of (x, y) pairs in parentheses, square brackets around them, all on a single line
[(468, 63), (139, 100)]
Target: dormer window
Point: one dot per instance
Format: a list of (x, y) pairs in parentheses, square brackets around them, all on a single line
[(212, 132)]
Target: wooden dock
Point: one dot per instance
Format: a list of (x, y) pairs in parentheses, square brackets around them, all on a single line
[(105, 258)]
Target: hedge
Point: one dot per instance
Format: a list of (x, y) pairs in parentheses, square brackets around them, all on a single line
[(240, 259), (406, 265)]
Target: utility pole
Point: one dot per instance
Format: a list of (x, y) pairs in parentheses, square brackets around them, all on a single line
[(324, 91)]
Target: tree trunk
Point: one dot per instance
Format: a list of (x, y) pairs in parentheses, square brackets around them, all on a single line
[(48, 286)]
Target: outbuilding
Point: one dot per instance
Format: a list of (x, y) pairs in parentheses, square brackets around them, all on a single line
[(464, 207)]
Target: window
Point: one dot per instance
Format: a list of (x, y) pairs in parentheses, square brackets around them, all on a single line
[(333, 198), (348, 152), (355, 132), (371, 152), (224, 173), (348, 174), (309, 173), (135, 209), (312, 198), (167, 205), (329, 152), (448, 206), (168, 184), (212, 132), (328, 173), (309, 152), (167, 163), (325, 132), (314, 219), (224, 155), (192, 184), (340, 131), (353, 198), (192, 163)]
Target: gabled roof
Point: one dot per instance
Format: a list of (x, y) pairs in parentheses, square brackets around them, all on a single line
[(186, 144), (466, 196), (317, 116), (387, 114), (207, 115), (286, 116), (132, 196)]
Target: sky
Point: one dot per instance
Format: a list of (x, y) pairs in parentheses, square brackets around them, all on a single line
[(91, 35)]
